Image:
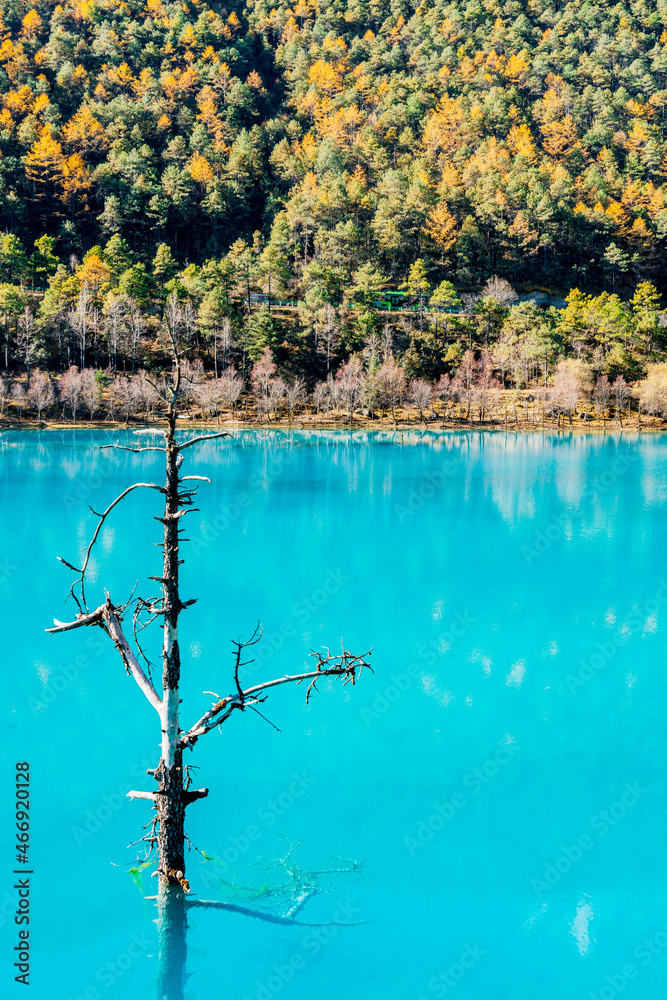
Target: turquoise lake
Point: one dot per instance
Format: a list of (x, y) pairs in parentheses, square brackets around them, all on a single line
[(498, 783)]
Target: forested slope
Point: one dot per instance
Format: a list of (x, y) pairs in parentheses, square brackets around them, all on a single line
[(519, 138)]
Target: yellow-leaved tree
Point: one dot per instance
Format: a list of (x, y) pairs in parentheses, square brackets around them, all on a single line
[(85, 134), (74, 183), (43, 166), (441, 227)]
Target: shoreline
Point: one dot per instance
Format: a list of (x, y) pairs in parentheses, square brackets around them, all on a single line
[(654, 426)]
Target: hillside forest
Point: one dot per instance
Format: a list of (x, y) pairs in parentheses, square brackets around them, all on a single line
[(445, 194)]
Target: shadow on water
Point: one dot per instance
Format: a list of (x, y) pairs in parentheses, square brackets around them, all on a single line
[(281, 903)]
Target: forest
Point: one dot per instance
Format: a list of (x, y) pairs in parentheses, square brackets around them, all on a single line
[(269, 178)]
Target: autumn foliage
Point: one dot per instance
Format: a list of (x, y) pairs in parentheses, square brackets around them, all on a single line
[(518, 140)]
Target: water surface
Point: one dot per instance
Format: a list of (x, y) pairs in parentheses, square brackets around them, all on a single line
[(501, 775)]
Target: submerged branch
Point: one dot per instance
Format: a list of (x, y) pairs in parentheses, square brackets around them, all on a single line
[(214, 904), (300, 902)]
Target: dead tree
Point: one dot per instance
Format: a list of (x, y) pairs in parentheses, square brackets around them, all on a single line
[(173, 794)]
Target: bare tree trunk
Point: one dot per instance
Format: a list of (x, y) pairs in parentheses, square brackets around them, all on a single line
[(170, 805)]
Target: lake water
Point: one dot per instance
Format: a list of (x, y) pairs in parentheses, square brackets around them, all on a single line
[(500, 775)]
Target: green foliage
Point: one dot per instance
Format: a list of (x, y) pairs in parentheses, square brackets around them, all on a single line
[(262, 331), (118, 256), (619, 361), (428, 350), (13, 260), (453, 355), (336, 153), (446, 296), (13, 300), (43, 262), (164, 265), (212, 310), (418, 283), (364, 326), (411, 362), (60, 294), (645, 307), (368, 282), (471, 138), (137, 283)]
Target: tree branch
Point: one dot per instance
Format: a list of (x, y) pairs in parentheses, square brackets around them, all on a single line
[(158, 393), (94, 618), (107, 617), (82, 572), (348, 665), (132, 665), (192, 796), (122, 447), (203, 437), (240, 646)]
